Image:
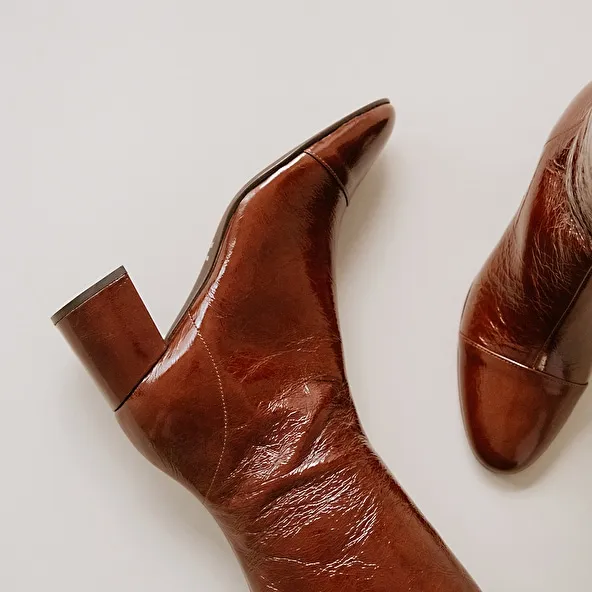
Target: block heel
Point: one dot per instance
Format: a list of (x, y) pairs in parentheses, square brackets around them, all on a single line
[(113, 334)]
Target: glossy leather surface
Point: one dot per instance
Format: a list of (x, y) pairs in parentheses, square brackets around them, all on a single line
[(113, 335), (250, 407), (525, 349)]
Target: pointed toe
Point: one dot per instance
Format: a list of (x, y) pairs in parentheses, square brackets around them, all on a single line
[(511, 412), (349, 152)]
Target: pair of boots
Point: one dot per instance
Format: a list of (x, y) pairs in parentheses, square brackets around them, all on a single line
[(246, 401)]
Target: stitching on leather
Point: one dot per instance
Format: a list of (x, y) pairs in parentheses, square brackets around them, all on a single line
[(330, 170), (542, 375), (215, 366)]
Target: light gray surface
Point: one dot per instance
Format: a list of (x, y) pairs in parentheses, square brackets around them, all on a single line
[(125, 128)]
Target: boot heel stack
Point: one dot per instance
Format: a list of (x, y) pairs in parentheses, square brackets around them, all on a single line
[(113, 334)]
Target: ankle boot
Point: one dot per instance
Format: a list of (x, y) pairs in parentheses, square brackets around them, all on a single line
[(525, 349), (246, 402)]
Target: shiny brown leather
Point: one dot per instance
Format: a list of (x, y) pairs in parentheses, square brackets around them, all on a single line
[(113, 334), (525, 352), (250, 409)]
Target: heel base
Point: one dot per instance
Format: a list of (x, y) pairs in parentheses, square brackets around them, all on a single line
[(113, 334)]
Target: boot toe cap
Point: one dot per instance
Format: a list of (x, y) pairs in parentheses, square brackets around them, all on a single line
[(511, 412), (350, 151)]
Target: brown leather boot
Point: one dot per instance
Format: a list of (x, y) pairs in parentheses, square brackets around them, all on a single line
[(246, 402), (526, 333)]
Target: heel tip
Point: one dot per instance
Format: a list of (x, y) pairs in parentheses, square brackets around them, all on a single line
[(88, 294)]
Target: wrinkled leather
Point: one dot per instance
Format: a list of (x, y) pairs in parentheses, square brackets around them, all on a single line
[(250, 407), (530, 306)]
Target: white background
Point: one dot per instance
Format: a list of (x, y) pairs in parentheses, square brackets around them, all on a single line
[(125, 129)]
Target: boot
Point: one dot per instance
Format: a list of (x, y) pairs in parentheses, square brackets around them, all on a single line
[(246, 402), (525, 350)]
